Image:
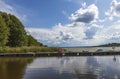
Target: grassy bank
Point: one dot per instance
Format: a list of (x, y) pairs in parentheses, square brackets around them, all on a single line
[(27, 49)]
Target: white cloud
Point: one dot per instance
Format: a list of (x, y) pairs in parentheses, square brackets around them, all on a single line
[(59, 34), (9, 9), (83, 31), (85, 15), (84, 4), (75, 34), (114, 10), (109, 34), (91, 30)]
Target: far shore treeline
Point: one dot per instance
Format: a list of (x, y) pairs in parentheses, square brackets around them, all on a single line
[(13, 35)]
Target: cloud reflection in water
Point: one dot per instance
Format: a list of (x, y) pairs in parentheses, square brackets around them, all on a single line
[(74, 68)]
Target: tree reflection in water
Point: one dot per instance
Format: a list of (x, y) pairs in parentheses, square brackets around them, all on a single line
[(13, 68)]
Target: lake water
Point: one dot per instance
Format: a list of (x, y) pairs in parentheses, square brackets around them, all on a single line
[(88, 67)]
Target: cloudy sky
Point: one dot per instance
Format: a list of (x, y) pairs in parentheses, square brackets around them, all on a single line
[(68, 22)]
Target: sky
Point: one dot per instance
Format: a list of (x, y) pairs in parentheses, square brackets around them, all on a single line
[(68, 22)]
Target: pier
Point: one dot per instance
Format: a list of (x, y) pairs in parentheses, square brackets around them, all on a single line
[(59, 54)]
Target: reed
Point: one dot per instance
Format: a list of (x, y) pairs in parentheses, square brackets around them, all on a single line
[(27, 49)]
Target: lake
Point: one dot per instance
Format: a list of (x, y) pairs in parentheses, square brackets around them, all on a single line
[(84, 67)]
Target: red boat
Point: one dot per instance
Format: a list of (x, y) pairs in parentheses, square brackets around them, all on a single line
[(60, 50)]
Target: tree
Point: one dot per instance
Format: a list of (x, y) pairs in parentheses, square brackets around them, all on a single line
[(4, 32), (18, 36), (13, 34), (33, 42)]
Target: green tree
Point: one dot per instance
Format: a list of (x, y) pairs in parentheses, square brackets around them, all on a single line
[(6, 18), (33, 42), (18, 36), (4, 32), (13, 34)]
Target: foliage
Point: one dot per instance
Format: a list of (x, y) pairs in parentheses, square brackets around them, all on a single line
[(14, 39), (33, 42), (27, 49), (4, 32), (13, 34)]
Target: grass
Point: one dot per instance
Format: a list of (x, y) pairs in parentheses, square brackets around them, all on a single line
[(27, 49)]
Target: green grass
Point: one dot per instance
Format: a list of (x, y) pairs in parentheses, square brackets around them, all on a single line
[(27, 49)]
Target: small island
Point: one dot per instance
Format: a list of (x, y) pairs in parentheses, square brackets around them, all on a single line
[(14, 38)]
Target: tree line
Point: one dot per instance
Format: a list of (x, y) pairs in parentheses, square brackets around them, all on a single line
[(110, 45), (13, 34)]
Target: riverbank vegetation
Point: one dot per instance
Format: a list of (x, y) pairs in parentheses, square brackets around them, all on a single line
[(26, 49), (14, 38)]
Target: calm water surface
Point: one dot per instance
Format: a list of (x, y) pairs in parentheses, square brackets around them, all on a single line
[(98, 67)]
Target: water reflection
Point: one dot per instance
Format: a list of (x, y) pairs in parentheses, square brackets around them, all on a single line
[(99, 67), (74, 68), (13, 68), (114, 59)]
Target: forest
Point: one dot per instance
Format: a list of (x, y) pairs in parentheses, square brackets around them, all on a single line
[(14, 36)]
